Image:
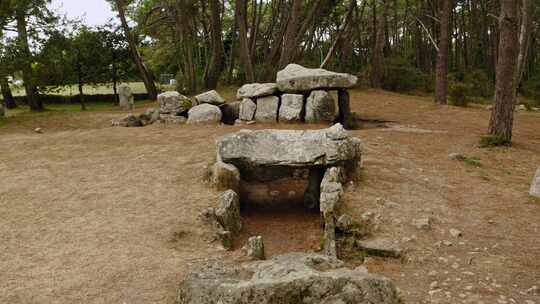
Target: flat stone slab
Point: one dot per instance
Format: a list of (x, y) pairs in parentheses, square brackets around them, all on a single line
[(211, 97), (302, 148), (286, 279), (254, 90), (296, 78)]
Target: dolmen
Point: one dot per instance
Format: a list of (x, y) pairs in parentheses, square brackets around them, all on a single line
[(299, 95), (265, 167)]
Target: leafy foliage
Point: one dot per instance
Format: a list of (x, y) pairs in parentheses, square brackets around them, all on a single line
[(400, 76)]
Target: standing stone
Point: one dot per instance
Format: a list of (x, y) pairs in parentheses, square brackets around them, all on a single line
[(125, 97), (255, 248), (320, 107), (535, 185), (173, 103), (247, 109), (211, 97), (225, 176), (267, 109), (204, 114), (291, 108), (345, 116), (228, 211)]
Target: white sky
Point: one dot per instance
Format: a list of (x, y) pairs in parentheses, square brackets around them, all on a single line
[(92, 12)]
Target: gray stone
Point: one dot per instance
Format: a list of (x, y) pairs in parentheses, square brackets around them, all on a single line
[(228, 211), (230, 112), (125, 97), (225, 176), (204, 114), (286, 279), (173, 103), (255, 248), (291, 108), (345, 223), (172, 119), (211, 97), (267, 109), (455, 233), (247, 110), (331, 193), (320, 107), (254, 90), (330, 247), (153, 114), (296, 78), (535, 184), (326, 147), (380, 247)]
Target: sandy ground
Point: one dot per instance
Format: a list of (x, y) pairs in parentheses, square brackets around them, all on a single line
[(95, 214)]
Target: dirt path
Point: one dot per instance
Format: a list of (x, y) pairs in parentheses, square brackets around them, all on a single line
[(95, 214)]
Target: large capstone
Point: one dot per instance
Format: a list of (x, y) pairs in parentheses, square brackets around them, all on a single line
[(125, 97), (291, 108), (320, 107), (535, 185), (267, 109), (254, 90), (247, 109), (294, 278), (173, 103), (211, 97), (296, 78), (204, 114), (300, 148)]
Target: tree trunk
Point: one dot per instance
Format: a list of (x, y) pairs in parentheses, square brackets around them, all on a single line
[(441, 76), (241, 21), (30, 87), (147, 76), (289, 39), (527, 10), (9, 101), (502, 115), (213, 71), (344, 26), (378, 48)]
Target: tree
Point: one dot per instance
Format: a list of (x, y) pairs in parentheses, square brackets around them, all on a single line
[(147, 76), (378, 47), (502, 115), (441, 73), (215, 65), (241, 21)]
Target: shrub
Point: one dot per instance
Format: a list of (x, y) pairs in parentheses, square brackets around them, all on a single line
[(480, 83), (531, 88), (400, 76), (459, 93)]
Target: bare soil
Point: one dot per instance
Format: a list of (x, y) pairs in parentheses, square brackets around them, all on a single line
[(95, 214)]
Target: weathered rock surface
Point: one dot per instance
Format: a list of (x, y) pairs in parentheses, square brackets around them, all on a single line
[(128, 121), (125, 97), (254, 90), (331, 192), (228, 211), (302, 148), (247, 109), (225, 176), (296, 78), (267, 109), (291, 108), (380, 247), (204, 114), (294, 278), (535, 184), (211, 97), (230, 112), (345, 223), (255, 248), (172, 119), (320, 107), (173, 103), (153, 114)]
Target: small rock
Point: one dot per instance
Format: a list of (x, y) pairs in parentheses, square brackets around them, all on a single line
[(455, 233), (422, 223), (210, 97), (456, 156), (204, 114), (434, 285), (255, 248), (38, 130)]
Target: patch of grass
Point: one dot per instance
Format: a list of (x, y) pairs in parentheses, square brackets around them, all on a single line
[(488, 141), (472, 161)]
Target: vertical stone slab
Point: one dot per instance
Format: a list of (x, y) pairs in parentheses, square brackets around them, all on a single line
[(247, 109), (125, 97), (267, 109), (345, 117), (291, 108), (535, 185), (320, 107)]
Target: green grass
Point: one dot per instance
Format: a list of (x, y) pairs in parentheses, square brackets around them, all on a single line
[(72, 90), (488, 141)]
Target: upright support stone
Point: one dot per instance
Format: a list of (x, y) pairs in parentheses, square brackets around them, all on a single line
[(247, 109), (228, 211), (313, 191), (535, 185), (330, 236), (267, 109), (255, 248), (125, 97), (345, 116)]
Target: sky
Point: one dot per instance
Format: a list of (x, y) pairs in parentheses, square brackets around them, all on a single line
[(92, 12)]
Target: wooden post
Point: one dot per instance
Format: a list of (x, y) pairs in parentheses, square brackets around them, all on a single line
[(345, 117)]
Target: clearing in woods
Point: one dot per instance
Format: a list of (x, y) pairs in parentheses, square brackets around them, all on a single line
[(95, 214)]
